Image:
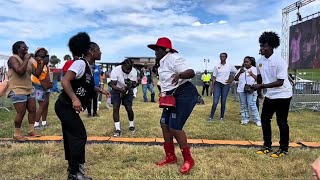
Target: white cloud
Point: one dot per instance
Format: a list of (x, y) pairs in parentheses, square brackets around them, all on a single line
[(223, 22), (124, 28), (198, 23)]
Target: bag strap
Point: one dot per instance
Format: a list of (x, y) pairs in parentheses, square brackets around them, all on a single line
[(245, 76)]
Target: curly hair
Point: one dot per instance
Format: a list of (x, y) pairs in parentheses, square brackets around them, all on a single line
[(271, 38), (79, 44), (16, 46)]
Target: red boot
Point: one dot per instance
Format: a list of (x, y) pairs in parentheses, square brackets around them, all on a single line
[(170, 155), (188, 160)]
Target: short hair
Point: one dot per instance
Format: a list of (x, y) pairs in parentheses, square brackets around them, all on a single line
[(271, 38), (79, 44), (16, 46), (127, 61), (224, 54), (93, 44)]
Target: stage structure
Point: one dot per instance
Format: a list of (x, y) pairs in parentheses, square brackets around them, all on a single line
[(305, 92)]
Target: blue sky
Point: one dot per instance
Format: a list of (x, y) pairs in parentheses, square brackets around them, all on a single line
[(199, 29)]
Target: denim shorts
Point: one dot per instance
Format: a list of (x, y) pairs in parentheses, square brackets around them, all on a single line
[(186, 98), (19, 98), (40, 93)]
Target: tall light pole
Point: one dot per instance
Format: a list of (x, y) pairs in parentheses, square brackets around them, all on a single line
[(206, 61)]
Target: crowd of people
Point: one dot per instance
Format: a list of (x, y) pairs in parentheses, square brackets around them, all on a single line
[(83, 85)]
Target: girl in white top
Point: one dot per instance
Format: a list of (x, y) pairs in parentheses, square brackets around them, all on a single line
[(174, 77), (248, 75)]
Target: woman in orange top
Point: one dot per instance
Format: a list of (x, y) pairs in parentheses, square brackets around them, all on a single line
[(42, 85)]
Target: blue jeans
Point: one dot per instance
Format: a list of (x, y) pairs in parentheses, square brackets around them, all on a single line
[(219, 90), (249, 100), (144, 89)]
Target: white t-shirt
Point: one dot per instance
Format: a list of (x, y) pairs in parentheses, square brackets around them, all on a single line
[(118, 75), (222, 72), (272, 69), (245, 78), (78, 67), (171, 64)]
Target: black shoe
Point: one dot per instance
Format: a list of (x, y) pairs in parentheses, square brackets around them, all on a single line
[(264, 150), (279, 153), (132, 129), (78, 176), (117, 133), (152, 98), (95, 115), (89, 114)]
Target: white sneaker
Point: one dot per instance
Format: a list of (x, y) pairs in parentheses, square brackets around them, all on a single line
[(99, 102), (258, 123)]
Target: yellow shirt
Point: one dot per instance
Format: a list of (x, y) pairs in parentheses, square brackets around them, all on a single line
[(206, 78), (43, 74)]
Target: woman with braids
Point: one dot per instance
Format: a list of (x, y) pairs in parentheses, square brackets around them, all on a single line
[(174, 76), (78, 87), (247, 75), (123, 81), (273, 75)]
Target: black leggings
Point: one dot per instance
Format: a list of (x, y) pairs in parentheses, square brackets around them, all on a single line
[(94, 102), (74, 135)]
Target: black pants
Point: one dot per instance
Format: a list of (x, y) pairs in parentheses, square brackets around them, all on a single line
[(281, 108), (205, 88), (159, 88), (94, 103), (74, 135)]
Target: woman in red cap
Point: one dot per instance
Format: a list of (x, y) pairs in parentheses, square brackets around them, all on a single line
[(174, 77)]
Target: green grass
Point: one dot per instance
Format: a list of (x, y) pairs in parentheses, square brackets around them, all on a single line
[(310, 74), (120, 161), (304, 125), (124, 161)]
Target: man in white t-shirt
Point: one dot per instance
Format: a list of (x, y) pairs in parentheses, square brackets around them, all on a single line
[(273, 75), (123, 81)]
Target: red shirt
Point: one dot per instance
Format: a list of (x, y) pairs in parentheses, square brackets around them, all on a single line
[(67, 65)]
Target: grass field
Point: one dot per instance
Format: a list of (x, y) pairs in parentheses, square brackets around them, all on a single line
[(310, 74), (115, 161), (122, 161)]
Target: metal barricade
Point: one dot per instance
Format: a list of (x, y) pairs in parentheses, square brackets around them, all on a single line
[(306, 95)]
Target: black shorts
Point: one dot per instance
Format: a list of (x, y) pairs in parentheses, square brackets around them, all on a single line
[(126, 99)]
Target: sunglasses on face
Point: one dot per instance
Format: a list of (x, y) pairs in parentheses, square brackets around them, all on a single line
[(25, 47)]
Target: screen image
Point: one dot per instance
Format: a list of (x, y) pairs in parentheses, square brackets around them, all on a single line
[(304, 45)]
